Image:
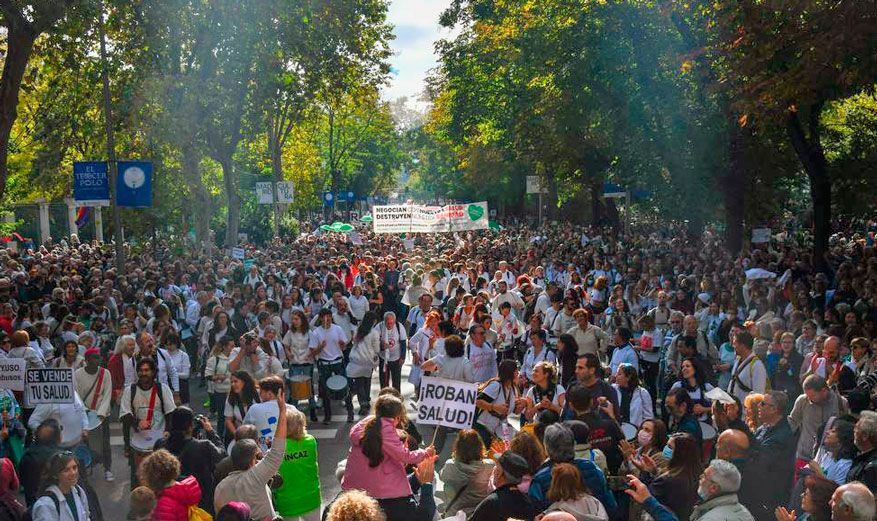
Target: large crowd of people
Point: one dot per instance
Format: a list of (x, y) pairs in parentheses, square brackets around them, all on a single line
[(624, 377)]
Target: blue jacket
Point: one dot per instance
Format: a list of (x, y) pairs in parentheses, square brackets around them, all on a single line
[(658, 511), (591, 475)]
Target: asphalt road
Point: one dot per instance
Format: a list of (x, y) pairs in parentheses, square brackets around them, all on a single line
[(332, 441)]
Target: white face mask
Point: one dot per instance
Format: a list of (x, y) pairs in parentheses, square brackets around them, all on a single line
[(703, 493)]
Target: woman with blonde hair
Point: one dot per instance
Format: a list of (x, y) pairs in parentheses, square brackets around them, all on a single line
[(569, 494), (355, 505), (121, 364), (298, 498), (750, 405), (546, 393)]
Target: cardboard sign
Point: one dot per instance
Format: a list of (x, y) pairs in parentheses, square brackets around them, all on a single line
[(446, 402), (265, 193), (12, 373), (237, 253), (49, 385), (760, 235)]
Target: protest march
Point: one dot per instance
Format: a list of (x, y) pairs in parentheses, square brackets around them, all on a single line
[(650, 374)]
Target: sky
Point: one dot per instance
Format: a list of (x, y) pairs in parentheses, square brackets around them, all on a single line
[(416, 29)]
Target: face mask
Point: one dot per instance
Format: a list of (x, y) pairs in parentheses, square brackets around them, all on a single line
[(667, 452), (703, 493), (644, 438)]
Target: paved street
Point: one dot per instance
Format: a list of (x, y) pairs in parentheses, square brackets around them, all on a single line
[(332, 440)]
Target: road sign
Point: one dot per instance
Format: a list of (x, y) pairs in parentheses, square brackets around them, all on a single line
[(328, 198), (536, 185), (91, 183)]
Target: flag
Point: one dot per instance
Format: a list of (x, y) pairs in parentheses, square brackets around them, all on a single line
[(82, 215)]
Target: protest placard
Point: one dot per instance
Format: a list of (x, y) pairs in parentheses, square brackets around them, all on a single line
[(49, 385), (417, 218), (238, 253), (12, 373), (450, 403)]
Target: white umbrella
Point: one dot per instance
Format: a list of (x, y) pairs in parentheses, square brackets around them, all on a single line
[(758, 273)]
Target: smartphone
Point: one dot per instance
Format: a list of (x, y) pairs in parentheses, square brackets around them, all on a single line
[(618, 483)]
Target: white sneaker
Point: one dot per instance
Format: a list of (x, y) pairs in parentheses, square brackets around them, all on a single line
[(108, 476)]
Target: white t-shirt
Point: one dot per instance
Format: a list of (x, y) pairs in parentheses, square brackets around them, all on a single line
[(264, 417), (499, 395), (139, 408), (483, 360), (333, 335)]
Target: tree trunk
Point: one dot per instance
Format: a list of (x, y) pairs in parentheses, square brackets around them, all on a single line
[(19, 45), (808, 148), (277, 171), (233, 221), (733, 186), (201, 210)]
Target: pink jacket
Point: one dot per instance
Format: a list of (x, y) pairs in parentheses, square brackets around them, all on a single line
[(388, 479), (174, 502)]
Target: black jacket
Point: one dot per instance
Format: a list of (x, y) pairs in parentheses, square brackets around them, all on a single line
[(864, 469), (504, 503), (773, 466), (198, 458)]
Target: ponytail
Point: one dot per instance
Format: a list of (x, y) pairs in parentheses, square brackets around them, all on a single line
[(386, 406)]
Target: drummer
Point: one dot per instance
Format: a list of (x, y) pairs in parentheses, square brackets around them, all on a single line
[(298, 356), (327, 343), (94, 385), (142, 411)]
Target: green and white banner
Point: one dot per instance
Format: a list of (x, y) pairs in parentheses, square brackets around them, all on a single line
[(415, 218)]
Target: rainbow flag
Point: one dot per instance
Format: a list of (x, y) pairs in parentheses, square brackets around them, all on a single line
[(83, 215)]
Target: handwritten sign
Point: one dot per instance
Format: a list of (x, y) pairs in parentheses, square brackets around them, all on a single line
[(450, 403)]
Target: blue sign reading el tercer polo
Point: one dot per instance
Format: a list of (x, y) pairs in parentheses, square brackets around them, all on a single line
[(134, 186), (91, 184)]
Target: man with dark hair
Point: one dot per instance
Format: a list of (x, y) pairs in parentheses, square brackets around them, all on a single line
[(590, 374), (748, 373), (810, 412), (599, 416), (264, 415), (143, 410), (248, 482), (680, 406)]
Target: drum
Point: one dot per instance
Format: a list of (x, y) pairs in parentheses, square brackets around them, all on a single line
[(629, 431), (300, 387), (94, 421), (336, 387), (709, 432)]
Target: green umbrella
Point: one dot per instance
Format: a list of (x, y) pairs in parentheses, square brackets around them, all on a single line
[(367, 218), (325, 227), (493, 225), (341, 227)]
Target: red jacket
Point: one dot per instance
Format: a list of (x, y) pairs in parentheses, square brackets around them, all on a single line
[(174, 502), (117, 372)]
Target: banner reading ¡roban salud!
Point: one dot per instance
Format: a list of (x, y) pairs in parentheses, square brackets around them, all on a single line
[(416, 218)]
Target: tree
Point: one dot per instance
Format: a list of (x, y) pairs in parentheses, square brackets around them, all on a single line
[(24, 23), (786, 61)]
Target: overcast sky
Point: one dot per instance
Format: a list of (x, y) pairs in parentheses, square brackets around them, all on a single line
[(416, 29)]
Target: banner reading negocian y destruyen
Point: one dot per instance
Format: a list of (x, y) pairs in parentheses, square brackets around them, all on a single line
[(416, 218), (446, 402)]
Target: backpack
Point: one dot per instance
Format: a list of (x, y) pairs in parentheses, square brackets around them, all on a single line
[(28, 515)]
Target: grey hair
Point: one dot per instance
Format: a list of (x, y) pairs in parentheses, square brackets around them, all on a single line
[(677, 314), (868, 425), (725, 476), (560, 444), (781, 401), (389, 314), (859, 499), (121, 342)]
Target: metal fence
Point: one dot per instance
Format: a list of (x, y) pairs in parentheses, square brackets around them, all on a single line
[(59, 227)]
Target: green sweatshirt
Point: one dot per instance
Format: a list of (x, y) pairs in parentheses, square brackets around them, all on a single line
[(300, 492)]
